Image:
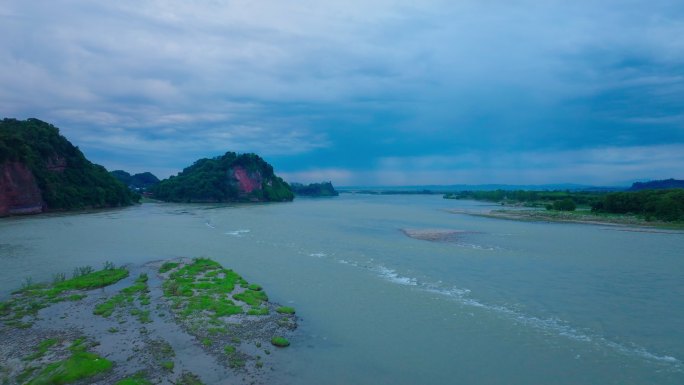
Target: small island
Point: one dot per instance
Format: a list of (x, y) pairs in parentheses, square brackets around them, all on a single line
[(228, 178), (182, 321), (323, 189)]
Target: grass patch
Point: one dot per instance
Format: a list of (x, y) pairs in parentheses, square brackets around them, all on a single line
[(188, 378), (280, 342), (168, 266), (251, 297), (229, 349), (41, 349), (258, 311), (80, 365), (135, 380), (33, 297), (255, 287), (285, 310), (168, 365)]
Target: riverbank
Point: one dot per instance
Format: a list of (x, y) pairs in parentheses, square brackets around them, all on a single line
[(166, 322), (579, 216)]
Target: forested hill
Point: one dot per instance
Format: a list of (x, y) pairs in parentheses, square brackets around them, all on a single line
[(657, 185), (41, 170), (141, 181), (323, 189), (227, 178)]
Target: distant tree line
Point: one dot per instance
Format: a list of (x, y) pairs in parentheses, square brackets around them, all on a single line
[(665, 205), (67, 179)]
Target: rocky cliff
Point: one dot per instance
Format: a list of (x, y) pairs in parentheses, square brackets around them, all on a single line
[(19, 192), (41, 170), (227, 178)]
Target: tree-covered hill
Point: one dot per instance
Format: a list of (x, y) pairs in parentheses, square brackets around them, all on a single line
[(323, 189), (657, 185), (227, 178), (34, 152), (141, 181)]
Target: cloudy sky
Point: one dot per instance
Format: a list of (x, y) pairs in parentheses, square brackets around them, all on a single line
[(387, 92)]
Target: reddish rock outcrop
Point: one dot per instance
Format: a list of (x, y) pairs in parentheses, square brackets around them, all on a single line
[(246, 181), (19, 192)]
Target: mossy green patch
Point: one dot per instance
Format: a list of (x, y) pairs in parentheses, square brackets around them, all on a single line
[(255, 287), (168, 266), (251, 297), (188, 378), (41, 349), (285, 310), (280, 342), (134, 381), (79, 366), (258, 311), (168, 365)]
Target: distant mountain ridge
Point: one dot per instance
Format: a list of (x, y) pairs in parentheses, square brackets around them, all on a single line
[(657, 185), (141, 181)]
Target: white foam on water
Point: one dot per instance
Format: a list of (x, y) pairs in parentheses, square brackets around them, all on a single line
[(238, 233), (553, 326), (392, 276), (209, 225), (318, 255)]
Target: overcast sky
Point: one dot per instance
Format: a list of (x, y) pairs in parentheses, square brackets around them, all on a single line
[(384, 92)]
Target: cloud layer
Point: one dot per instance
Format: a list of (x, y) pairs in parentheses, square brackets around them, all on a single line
[(358, 92)]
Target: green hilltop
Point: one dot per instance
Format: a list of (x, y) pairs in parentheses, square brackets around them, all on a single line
[(33, 151), (228, 178)]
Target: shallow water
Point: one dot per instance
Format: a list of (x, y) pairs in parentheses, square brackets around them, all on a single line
[(504, 302)]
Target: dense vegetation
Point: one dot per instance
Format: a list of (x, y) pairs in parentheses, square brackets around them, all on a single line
[(141, 181), (67, 179), (530, 198), (657, 185), (214, 180), (663, 205), (323, 189)]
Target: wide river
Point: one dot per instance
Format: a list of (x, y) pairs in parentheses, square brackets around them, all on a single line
[(505, 302)]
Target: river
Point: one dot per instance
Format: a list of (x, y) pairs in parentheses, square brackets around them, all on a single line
[(503, 302)]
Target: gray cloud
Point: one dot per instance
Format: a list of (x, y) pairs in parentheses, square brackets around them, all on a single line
[(311, 81)]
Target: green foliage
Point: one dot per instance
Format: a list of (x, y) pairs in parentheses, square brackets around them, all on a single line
[(79, 366), (528, 197), (141, 181), (166, 266), (280, 342), (67, 180), (41, 349), (664, 205), (323, 189), (137, 379), (566, 204), (213, 180), (285, 310), (251, 297)]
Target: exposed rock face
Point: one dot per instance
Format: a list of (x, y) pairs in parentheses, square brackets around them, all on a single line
[(246, 181), (19, 192)]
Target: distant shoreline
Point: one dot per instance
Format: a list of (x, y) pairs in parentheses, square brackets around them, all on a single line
[(581, 217)]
